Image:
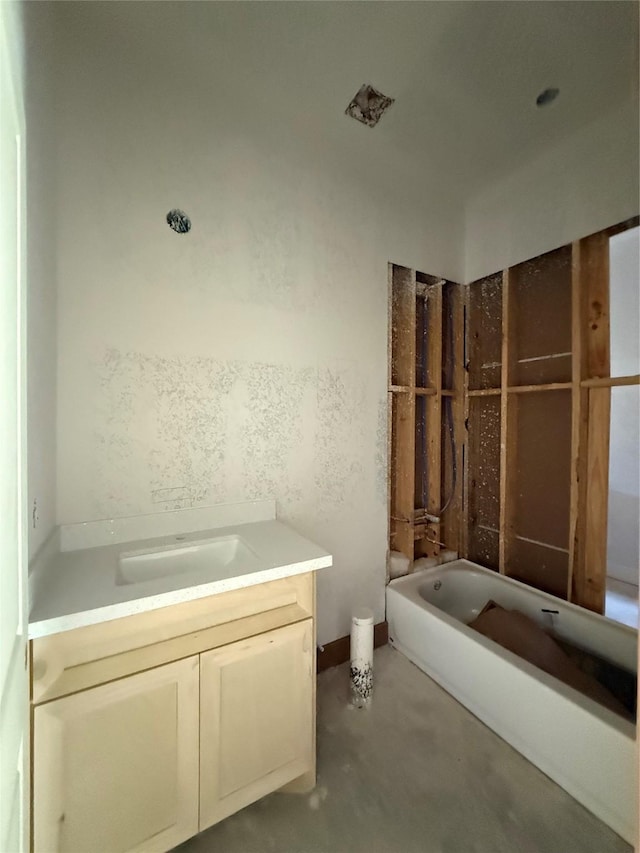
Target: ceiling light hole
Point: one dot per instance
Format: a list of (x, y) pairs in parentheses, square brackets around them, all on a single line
[(368, 105), (178, 221), (547, 96)]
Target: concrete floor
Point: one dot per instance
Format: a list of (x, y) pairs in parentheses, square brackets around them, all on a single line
[(415, 773)]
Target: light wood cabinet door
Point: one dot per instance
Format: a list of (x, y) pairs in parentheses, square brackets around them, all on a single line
[(116, 766), (256, 718)]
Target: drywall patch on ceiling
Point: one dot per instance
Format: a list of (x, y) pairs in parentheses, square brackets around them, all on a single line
[(368, 105)]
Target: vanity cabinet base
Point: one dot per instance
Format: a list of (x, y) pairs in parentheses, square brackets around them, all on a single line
[(116, 767), (146, 760), (256, 719)]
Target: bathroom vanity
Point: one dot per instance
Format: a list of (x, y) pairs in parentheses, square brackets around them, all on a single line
[(194, 697)]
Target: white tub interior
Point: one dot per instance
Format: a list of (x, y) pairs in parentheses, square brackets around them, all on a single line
[(462, 589)]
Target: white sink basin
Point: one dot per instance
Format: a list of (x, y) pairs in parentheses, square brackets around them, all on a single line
[(223, 556)]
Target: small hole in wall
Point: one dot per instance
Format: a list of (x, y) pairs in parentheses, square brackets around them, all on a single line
[(178, 221)]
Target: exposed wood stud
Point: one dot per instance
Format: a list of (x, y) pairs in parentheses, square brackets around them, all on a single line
[(507, 433), (453, 534), (591, 586), (390, 411), (589, 551), (420, 452), (403, 374), (464, 468), (594, 262), (577, 370), (434, 417)]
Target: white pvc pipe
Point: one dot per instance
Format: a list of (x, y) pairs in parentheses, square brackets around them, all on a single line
[(361, 672)]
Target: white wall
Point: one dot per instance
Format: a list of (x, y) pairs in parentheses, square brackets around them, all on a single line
[(248, 358), (623, 551), (586, 183), (14, 677), (41, 272)]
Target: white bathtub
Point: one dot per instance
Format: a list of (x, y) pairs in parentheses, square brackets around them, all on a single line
[(586, 748)]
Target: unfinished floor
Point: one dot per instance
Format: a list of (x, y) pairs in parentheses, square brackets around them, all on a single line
[(416, 772)]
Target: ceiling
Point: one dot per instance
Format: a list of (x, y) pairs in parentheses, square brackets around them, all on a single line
[(465, 75)]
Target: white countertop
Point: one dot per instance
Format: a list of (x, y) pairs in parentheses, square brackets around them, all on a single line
[(79, 587)]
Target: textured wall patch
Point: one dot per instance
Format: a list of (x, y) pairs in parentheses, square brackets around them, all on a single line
[(382, 451), (339, 471), (184, 431)]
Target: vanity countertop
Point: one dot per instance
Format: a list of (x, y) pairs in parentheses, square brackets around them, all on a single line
[(82, 587)]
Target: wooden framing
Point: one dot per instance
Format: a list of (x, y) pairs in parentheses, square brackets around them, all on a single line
[(550, 386), (402, 372), (507, 433), (611, 382), (514, 354), (429, 546), (590, 579), (454, 527), (484, 392), (579, 422), (591, 415), (463, 383), (589, 384), (421, 477)]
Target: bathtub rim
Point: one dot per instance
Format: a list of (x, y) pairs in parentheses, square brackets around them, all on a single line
[(550, 682), (468, 565)]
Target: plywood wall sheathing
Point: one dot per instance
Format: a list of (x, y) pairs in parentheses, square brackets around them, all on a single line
[(551, 400), (483, 472), (484, 334), (541, 319), (540, 500), (484, 354), (536, 421)]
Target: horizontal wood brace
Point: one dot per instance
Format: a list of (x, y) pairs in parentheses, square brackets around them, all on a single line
[(407, 389), (611, 381), (549, 386)]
